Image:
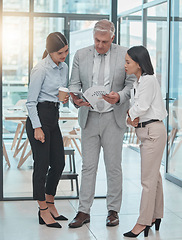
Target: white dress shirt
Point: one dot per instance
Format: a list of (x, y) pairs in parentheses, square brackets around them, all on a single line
[(96, 66), (148, 102)]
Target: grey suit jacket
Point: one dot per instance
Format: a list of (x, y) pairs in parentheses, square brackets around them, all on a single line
[(81, 79)]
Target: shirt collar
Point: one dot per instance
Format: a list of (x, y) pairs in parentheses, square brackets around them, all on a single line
[(136, 82), (98, 54), (52, 63)]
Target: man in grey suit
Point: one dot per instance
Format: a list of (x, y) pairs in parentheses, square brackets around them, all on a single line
[(101, 64)]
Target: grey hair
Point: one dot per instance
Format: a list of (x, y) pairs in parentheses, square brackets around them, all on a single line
[(104, 25)]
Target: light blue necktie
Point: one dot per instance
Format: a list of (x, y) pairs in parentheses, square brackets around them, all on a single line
[(100, 104)]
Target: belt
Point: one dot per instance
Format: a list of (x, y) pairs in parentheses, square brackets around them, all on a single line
[(55, 104), (143, 124)]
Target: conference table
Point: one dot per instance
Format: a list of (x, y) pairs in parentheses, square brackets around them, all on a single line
[(19, 115)]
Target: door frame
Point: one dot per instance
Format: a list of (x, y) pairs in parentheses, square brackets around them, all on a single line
[(67, 18), (172, 178)]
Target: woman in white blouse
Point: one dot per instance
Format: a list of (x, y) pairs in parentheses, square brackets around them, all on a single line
[(146, 116)]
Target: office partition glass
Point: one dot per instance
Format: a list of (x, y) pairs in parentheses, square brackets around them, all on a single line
[(72, 6), (157, 42), (127, 5), (174, 167), (131, 30), (158, 11), (16, 5), (14, 88), (157, 45), (81, 35), (24, 40), (42, 27), (15, 59)]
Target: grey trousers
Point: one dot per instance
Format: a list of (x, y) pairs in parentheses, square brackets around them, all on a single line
[(101, 130), (153, 140)]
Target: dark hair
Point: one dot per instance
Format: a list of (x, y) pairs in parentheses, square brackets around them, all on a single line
[(140, 55), (54, 42)]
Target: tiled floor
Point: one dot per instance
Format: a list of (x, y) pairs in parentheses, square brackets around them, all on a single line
[(18, 219)]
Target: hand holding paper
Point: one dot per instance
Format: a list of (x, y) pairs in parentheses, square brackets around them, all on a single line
[(94, 94), (112, 97), (91, 96), (78, 100)]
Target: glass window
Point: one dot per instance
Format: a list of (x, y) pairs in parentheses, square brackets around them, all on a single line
[(127, 5), (15, 59), (16, 5), (131, 30), (73, 6), (15, 86), (175, 92), (81, 35), (176, 8), (42, 27), (159, 10), (157, 42)]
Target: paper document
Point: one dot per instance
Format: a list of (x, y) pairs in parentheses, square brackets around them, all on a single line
[(92, 94)]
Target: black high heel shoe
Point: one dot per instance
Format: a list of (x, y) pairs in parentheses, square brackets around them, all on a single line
[(132, 235), (157, 223), (60, 217), (41, 220)]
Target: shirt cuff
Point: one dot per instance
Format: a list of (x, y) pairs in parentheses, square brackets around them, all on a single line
[(131, 115)]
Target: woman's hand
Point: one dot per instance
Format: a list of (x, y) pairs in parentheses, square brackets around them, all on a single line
[(112, 97), (133, 123), (66, 99), (39, 134), (78, 101)]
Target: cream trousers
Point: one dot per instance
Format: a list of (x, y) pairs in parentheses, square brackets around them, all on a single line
[(153, 139)]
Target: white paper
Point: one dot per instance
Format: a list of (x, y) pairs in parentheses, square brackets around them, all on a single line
[(92, 94)]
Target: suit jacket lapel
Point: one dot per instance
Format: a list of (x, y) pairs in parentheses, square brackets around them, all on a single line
[(113, 58), (90, 62)]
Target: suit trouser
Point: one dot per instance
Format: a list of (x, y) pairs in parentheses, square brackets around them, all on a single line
[(153, 139), (48, 157), (101, 130)]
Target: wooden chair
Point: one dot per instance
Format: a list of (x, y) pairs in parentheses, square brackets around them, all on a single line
[(71, 134), (20, 103), (70, 139), (24, 157), (6, 155)]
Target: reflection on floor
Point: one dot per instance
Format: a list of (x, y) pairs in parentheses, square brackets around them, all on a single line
[(18, 219)]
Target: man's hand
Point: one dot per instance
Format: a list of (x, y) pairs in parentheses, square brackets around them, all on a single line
[(112, 97), (78, 101), (39, 134), (133, 123)]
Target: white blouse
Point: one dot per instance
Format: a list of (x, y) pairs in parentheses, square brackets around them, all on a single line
[(147, 103)]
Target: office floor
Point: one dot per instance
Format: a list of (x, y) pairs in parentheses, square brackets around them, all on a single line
[(19, 221)]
